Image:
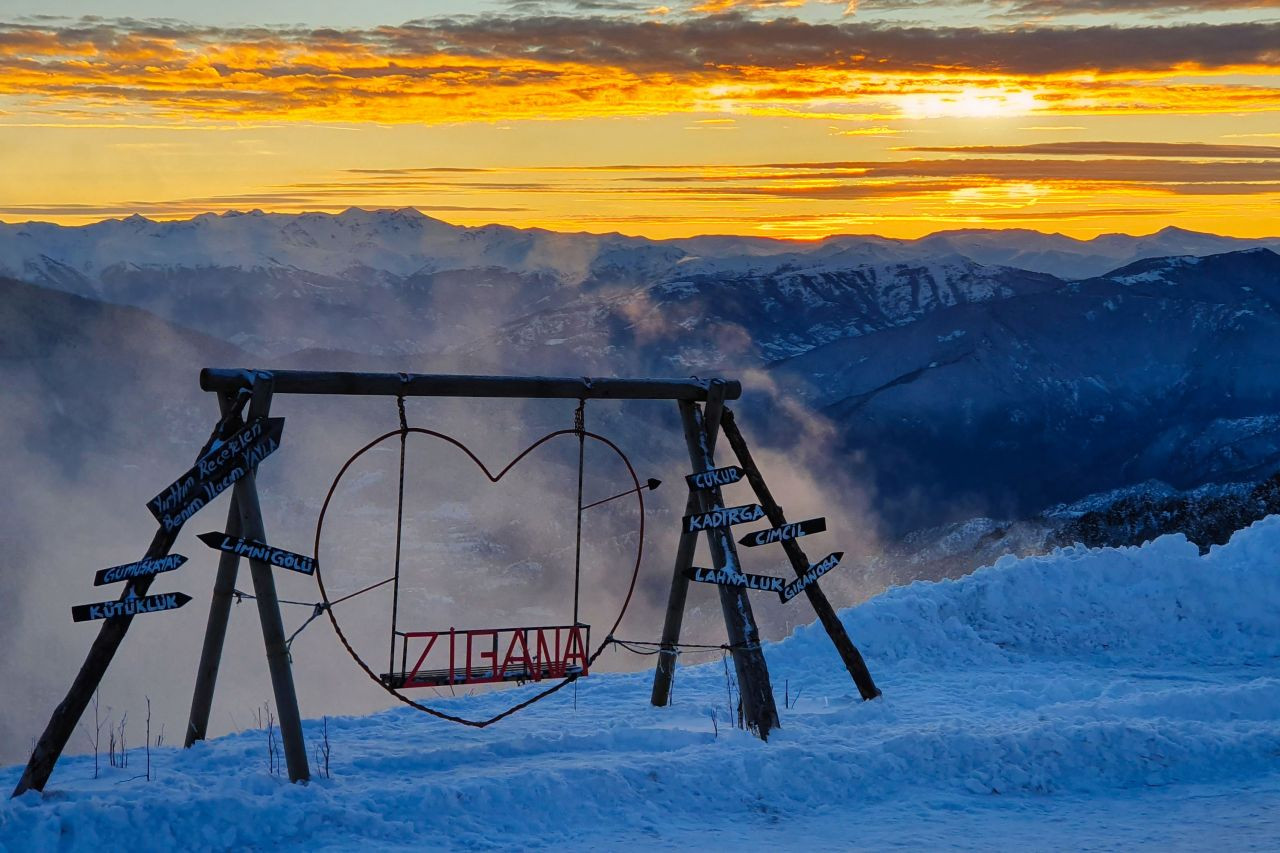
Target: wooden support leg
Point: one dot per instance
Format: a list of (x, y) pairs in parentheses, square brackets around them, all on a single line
[(63, 722), (215, 632), (800, 563), (665, 671), (264, 589), (666, 668), (748, 660)]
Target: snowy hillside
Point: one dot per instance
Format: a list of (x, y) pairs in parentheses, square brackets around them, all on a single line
[(1085, 700)]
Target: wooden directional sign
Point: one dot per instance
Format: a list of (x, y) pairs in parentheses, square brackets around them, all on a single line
[(252, 549), (723, 517), (816, 571), (217, 471), (724, 577), (793, 530), (715, 477), (140, 569), (129, 606)]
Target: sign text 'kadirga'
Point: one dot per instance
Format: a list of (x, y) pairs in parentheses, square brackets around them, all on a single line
[(723, 517)]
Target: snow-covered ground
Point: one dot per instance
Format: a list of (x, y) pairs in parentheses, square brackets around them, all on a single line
[(1105, 699)]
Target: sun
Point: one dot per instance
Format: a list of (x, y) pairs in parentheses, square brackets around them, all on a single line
[(969, 102)]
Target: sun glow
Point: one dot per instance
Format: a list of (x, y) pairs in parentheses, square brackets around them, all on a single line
[(970, 102)]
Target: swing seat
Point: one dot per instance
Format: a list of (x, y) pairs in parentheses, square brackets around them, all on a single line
[(448, 677), (491, 655)]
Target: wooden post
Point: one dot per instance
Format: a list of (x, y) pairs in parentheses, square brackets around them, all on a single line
[(215, 632), (748, 660), (800, 563), (713, 412), (665, 671), (264, 589)]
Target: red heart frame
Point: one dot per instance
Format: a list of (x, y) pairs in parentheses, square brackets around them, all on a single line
[(493, 478)]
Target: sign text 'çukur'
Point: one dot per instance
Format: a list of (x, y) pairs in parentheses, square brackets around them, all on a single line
[(723, 517), (216, 471), (252, 549), (715, 477), (141, 569)]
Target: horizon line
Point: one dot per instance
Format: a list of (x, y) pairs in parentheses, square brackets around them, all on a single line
[(161, 219)]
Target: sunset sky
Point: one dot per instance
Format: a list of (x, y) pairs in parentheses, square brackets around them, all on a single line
[(774, 117)]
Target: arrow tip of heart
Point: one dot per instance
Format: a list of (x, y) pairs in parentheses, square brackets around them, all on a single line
[(653, 484)]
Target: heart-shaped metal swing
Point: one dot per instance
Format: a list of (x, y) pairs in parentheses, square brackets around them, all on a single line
[(531, 654)]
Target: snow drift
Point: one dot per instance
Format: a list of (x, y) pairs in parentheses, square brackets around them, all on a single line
[(1036, 699)]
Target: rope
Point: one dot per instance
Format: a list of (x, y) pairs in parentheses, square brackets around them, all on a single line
[(395, 589), (645, 647), (317, 608), (315, 614), (493, 478), (368, 588), (580, 427), (241, 595)]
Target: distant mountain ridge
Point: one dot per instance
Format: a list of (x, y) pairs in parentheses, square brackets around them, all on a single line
[(405, 242), (399, 282), (963, 373), (1165, 369)]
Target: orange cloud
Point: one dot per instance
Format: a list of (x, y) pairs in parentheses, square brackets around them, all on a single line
[(489, 69)]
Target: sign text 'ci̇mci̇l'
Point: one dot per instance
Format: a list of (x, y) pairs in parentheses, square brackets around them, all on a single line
[(784, 533)]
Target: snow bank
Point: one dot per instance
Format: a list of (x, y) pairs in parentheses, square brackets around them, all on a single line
[(1156, 604), (1038, 687)]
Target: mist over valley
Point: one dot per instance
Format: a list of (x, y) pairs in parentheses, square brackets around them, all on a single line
[(941, 401)]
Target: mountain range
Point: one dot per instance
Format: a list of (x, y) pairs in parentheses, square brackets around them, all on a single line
[(967, 373)]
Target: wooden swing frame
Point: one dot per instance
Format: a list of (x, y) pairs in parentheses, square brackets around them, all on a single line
[(702, 424)]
